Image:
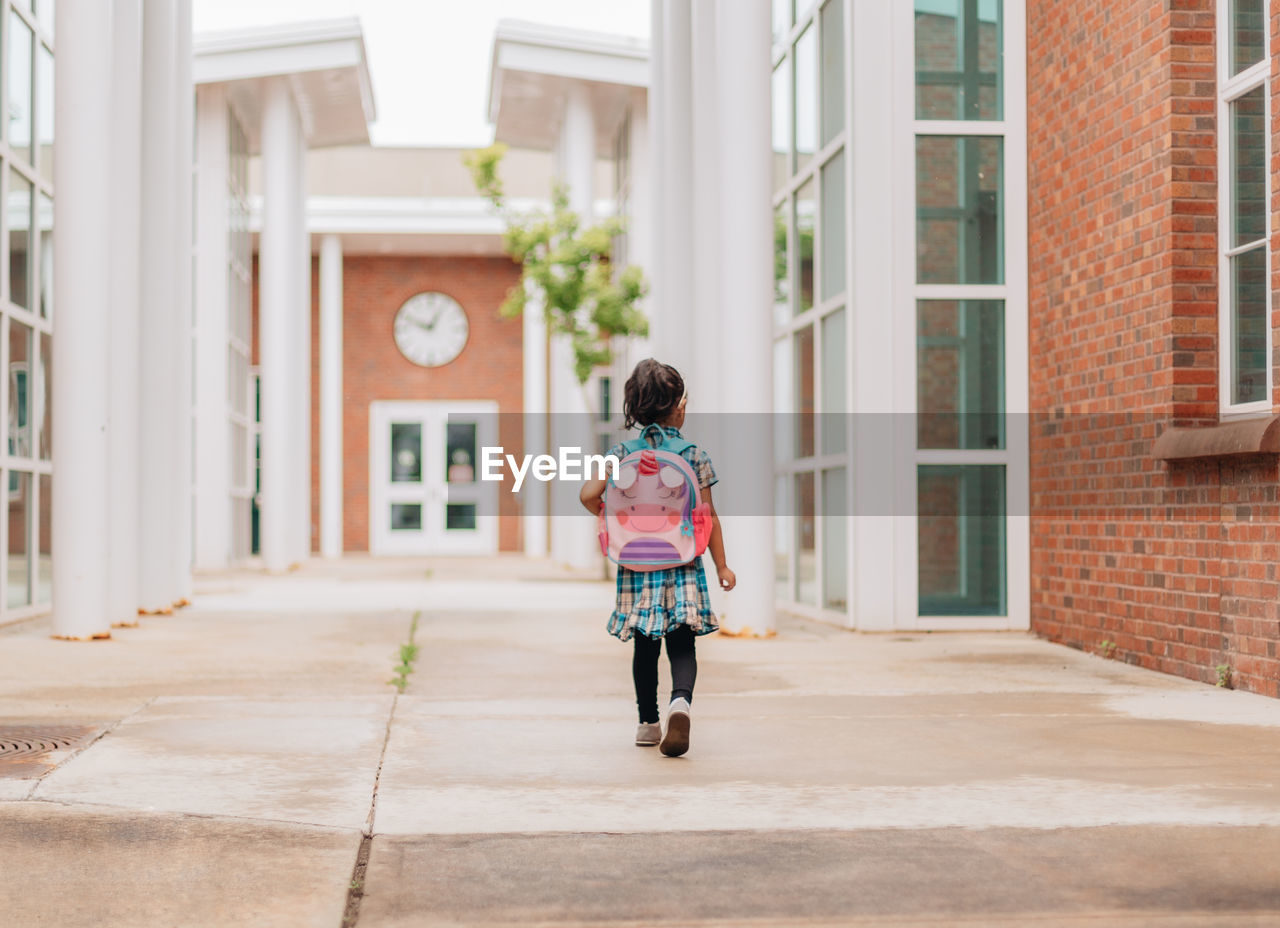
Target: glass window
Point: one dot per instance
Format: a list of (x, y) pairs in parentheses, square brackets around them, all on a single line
[(1249, 326), (1247, 34), (806, 97), (832, 70), (19, 214), (959, 210), (833, 238), (460, 517), (19, 389), (961, 521), (782, 11), (19, 538), (460, 452), (802, 347), (959, 51), (833, 383), (783, 538), (44, 218), (781, 265), (19, 78), (835, 562), (783, 398), (1249, 167), (406, 517), (44, 397), (960, 374), (806, 539), (44, 563), (781, 124), (44, 118), (806, 209), (406, 452)]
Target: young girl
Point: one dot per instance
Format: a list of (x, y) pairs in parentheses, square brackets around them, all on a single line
[(670, 604)]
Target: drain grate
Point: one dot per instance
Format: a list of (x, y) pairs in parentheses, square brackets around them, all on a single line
[(25, 749)]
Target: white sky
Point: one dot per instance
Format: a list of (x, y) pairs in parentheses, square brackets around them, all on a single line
[(429, 59)]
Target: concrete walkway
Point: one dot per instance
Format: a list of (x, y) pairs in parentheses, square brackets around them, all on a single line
[(245, 762)]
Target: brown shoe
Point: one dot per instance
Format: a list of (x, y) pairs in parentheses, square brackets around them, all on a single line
[(676, 741), (648, 734)]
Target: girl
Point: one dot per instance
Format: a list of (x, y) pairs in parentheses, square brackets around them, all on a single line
[(670, 604)]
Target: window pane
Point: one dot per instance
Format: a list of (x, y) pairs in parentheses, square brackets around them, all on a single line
[(835, 523), (1247, 34), (783, 397), (44, 12), (44, 217), (833, 250), (806, 548), (833, 383), (832, 69), (19, 533), (1249, 326), (781, 20), (783, 538), (406, 452), (959, 210), (19, 214), (460, 516), (960, 374), (406, 517), (805, 210), (19, 389), (962, 539), (806, 97), (44, 118), (44, 569), (781, 265), (782, 124), (1249, 167), (460, 452), (803, 412), (19, 77), (44, 397), (959, 50)]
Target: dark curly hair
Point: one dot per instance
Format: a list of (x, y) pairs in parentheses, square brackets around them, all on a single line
[(652, 393)]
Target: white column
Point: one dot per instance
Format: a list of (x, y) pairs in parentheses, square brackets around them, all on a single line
[(82, 217), (674, 344), (122, 467), (641, 227), (703, 378), (573, 536), (331, 406), (158, 463), (655, 196), (184, 130), (212, 414), (302, 356), (277, 290), (534, 493), (746, 292)]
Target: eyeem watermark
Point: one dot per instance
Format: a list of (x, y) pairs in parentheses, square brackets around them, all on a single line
[(570, 464)]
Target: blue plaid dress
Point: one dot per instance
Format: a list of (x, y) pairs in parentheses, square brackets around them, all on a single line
[(653, 602)]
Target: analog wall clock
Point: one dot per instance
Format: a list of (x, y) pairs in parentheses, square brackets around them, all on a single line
[(431, 329)]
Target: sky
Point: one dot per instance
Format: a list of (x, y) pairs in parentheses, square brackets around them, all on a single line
[(429, 59)]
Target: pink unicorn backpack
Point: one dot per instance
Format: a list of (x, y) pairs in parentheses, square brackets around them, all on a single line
[(653, 514)]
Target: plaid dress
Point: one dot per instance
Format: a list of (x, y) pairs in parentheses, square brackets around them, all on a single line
[(654, 602)]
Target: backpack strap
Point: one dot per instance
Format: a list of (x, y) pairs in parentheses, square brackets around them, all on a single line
[(665, 441)]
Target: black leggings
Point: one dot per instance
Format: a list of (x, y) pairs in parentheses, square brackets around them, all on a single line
[(644, 668)]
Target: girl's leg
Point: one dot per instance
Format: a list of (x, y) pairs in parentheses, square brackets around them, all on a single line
[(644, 670), (684, 662)]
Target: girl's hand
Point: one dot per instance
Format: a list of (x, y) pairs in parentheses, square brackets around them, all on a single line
[(728, 580)]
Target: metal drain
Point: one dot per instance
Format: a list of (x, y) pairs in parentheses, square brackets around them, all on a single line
[(25, 749)]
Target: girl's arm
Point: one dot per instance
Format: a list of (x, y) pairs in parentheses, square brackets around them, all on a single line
[(591, 494), (716, 545)]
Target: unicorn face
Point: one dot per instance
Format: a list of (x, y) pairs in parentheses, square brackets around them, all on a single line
[(647, 500)]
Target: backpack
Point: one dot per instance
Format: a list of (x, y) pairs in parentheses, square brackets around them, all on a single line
[(653, 514)]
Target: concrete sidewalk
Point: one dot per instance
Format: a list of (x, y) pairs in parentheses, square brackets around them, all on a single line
[(245, 762)]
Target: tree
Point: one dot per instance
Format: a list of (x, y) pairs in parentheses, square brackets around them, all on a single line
[(566, 264)]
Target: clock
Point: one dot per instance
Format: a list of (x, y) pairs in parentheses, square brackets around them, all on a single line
[(431, 329)]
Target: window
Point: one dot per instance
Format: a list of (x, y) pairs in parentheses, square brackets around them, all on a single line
[(1244, 296)]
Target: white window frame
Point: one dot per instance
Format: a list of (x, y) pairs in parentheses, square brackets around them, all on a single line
[(899, 366), (1231, 89)]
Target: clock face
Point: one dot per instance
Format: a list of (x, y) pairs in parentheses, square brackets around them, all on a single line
[(431, 329)]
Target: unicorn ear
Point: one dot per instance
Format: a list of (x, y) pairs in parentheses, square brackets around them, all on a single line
[(626, 477), (671, 477)]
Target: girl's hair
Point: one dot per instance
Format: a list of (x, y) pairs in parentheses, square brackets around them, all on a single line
[(652, 393)]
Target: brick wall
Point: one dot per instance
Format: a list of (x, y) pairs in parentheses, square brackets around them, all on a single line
[(1174, 563)]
